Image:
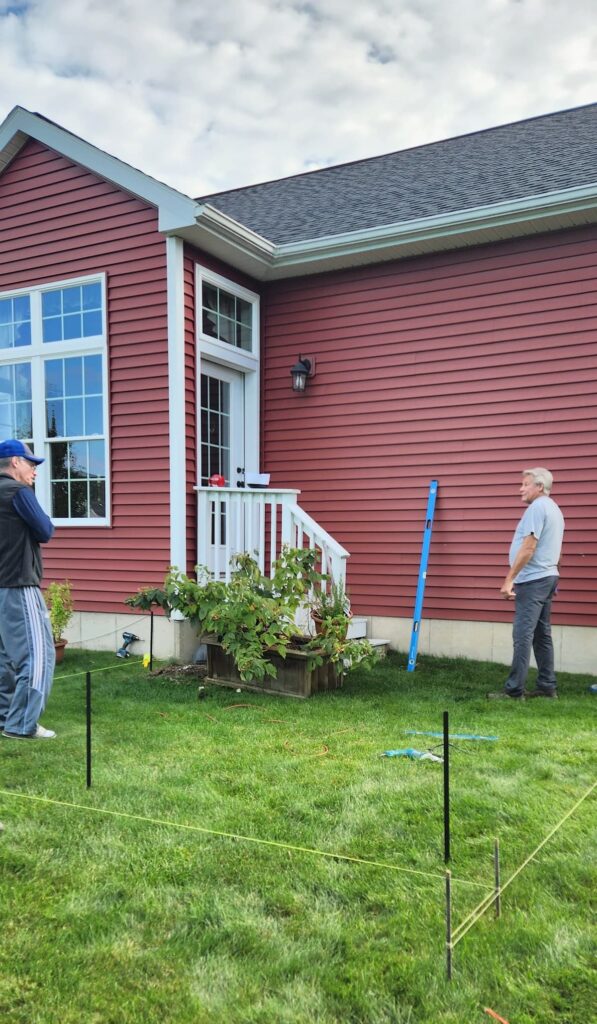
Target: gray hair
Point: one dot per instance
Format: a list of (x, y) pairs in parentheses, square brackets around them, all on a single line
[(541, 476), (5, 463)]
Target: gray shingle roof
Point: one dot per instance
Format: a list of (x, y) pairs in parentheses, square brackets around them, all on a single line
[(527, 158)]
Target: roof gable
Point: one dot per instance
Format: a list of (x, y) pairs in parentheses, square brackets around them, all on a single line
[(174, 208)]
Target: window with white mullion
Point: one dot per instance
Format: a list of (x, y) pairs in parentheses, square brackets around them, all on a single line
[(64, 385), (227, 317)]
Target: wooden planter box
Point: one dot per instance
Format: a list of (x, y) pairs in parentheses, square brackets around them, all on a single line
[(293, 679)]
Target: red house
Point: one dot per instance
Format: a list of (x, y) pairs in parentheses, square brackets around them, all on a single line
[(444, 299)]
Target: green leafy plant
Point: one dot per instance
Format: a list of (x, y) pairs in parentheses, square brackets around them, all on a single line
[(148, 598), (254, 616), (60, 604), (329, 601)]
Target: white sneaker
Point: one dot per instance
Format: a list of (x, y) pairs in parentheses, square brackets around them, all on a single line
[(43, 734), (39, 734)]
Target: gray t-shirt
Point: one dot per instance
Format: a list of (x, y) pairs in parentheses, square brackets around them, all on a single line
[(544, 520)]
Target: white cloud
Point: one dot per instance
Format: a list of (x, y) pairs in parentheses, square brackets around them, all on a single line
[(208, 96)]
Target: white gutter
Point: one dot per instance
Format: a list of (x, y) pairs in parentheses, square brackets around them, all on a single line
[(481, 218)]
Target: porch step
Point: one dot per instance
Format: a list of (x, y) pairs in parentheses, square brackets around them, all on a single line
[(382, 646), (357, 630)]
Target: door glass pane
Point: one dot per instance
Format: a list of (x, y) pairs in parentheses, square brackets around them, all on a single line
[(215, 428)]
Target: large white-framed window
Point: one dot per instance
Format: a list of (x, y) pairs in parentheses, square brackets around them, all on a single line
[(54, 392), (227, 318)]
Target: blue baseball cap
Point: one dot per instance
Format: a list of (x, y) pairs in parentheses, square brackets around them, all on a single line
[(13, 447)]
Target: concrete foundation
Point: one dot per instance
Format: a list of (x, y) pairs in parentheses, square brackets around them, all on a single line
[(99, 631), (575, 646)]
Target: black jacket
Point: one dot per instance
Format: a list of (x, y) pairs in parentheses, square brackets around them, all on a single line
[(20, 534)]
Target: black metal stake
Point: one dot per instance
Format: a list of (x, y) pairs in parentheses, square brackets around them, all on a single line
[(446, 790), (151, 639), (88, 716), (496, 867), (449, 925)]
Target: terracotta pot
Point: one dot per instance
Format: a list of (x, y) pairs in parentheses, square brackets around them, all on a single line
[(59, 646), (318, 622)]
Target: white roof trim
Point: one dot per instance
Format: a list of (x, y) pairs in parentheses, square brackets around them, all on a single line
[(550, 211)]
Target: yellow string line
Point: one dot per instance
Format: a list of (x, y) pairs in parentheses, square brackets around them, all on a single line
[(232, 835), (475, 915), (107, 668), (461, 930), (548, 836)]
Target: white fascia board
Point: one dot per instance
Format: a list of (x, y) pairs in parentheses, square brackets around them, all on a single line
[(531, 210), (175, 209), (220, 235)]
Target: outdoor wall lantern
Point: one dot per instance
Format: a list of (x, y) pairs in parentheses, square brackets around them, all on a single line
[(301, 370)]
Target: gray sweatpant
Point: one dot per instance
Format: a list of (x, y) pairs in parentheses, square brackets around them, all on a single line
[(27, 658)]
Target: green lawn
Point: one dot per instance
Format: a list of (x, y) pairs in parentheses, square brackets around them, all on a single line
[(127, 919)]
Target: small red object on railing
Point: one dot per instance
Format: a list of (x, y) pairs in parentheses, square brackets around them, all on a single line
[(217, 480)]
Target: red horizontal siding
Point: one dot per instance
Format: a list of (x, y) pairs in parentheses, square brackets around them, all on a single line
[(58, 221), (465, 367)]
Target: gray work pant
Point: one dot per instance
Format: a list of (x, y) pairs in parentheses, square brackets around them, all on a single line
[(27, 658), (532, 629)]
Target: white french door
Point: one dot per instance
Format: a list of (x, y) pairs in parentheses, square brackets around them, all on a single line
[(222, 441), (222, 432)]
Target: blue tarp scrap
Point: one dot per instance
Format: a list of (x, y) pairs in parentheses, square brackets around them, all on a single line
[(413, 755)]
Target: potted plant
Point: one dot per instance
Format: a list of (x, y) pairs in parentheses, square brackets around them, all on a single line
[(329, 602), (61, 608), (249, 626)]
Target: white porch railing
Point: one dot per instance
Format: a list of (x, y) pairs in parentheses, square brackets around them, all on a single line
[(234, 520)]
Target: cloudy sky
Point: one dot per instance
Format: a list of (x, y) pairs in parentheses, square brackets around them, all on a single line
[(211, 94)]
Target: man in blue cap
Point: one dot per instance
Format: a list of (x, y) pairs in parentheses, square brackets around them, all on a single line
[(27, 655)]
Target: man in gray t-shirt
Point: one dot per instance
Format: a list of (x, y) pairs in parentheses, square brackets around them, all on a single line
[(532, 581)]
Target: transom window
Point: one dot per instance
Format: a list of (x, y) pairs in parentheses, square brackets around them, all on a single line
[(69, 313), (227, 317), (227, 321), (53, 395)]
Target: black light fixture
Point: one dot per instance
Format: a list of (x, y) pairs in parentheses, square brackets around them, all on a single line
[(301, 370)]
